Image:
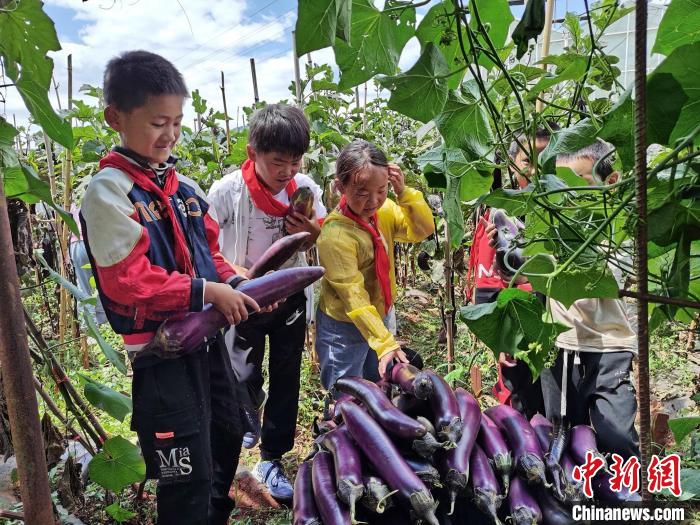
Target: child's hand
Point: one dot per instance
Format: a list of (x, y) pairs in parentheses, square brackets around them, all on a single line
[(232, 303), (296, 222), (387, 358), (396, 178)]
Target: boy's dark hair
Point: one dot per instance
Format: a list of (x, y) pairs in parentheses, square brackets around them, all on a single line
[(281, 128), (355, 157), (540, 134), (599, 152), (134, 76)]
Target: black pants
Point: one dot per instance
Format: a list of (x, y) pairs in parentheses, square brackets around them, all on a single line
[(286, 329), (188, 420), (600, 393)]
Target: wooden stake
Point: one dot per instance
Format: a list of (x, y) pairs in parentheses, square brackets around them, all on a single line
[(18, 383), (228, 129), (255, 80), (297, 74), (364, 110), (238, 113), (546, 39), (449, 302), (58, 96)]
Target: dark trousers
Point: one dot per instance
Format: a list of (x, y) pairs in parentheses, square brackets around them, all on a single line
[(600, 393), (188, 420), (286, 329)]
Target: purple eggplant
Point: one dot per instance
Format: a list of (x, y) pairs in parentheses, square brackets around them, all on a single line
[(603, 492), (304, 505), (302, 201), (387, 461), (179, 337), (553, 443), (524, 509), (411, 405), (506, 248), (377, 496), (553, 512), (412, 381), (494, 444), (375, 401), (348, 467), (581, 440), (277, 254), (425, 471), (454, 463), (332, 511), (573, 490), (446, 416), (485, 489), (529, 460)]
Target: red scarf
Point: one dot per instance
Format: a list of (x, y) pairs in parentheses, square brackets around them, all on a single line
[(142, 179), (381, 259), (262, 198)]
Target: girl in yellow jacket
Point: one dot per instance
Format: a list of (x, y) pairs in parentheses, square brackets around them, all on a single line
[(356, 247)]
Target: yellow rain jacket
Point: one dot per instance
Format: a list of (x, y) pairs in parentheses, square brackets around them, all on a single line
[(350, 291)]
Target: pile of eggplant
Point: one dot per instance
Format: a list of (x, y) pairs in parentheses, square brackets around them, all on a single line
[(410, 449)]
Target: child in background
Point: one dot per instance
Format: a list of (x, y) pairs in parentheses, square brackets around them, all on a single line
[(252, 207), (356, 247), (152, 240)]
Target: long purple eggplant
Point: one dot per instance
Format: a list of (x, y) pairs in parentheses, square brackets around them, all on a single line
[(177, 338), (553, 512), (304, 505), (411, 380), (524, 509), (581, 440), (425, 471), (332, 511), (553, 442), (603, 492), (454, 463), (411, 405), (573, 491), (348, 467), (377, 496), (302, 201), (375, 401), (494, 445), (506, 249), (387, 461), (485, 489), (277, 254), (529, 460), (446, 416)]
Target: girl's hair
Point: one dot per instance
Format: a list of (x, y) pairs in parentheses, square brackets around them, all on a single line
[(355, 157)]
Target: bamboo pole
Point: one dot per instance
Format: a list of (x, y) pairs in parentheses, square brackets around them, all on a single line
[(297, 74), (255, 80), (64, 310), (18, 382), (228, 129), (58, 96), (546, 40), (449, 302)]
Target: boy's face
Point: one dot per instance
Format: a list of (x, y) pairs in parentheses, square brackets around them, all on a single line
[(583, 167), (150, 130), (274, 169), (367, 191), (522, 162)]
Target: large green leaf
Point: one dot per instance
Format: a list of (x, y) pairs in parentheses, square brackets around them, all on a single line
[(683, 426), (530, 26), (618, 129), (28, 34), (424, 82), (569, 140), (118, 465), (514, 202), (103, 397), (119, 513), (514, 324), (682, 64), (474, 184), (496, 17), (439, 27), (317, 23), (465, 125), (377, 39), (679, 26), (573, 68), (573, 283)]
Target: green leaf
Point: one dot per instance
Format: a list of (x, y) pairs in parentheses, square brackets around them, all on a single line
[(530, 26), (514, 202), (377, 40), (118, 465), (473, 184), (690, 483), (92, 151), (682, 426), (119, 513), (683, 65), (572, 69), (569, 140), (679, 26), (439, 27), (618, 129), (112, 355), (317, 24), (424, 82), (103, 397), (36, 99), (568, 286), (496, 17), (465, 125), (453, 212), (570, 178)]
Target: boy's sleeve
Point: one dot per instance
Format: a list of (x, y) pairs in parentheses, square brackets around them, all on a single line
[(338, 255), (118, 244), (413, 219)]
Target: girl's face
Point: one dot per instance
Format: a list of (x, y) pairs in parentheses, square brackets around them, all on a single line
[(366, 191)]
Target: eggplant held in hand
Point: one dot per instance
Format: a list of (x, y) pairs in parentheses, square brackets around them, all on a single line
[(277, 254)]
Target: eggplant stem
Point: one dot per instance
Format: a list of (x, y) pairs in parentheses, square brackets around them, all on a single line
[(381, 503)]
